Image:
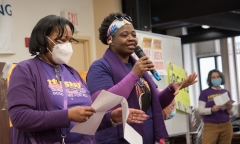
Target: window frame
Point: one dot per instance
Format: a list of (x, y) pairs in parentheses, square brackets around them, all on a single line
[(199, 70)]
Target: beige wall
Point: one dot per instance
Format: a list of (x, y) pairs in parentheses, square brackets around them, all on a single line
[(103, 8), (26, 13)]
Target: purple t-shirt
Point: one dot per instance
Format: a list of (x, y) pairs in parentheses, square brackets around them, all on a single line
[(77, 95), (207, 96)]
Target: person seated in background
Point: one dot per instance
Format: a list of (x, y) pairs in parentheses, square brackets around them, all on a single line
[(46, 97), (119, 73), (217, 124)]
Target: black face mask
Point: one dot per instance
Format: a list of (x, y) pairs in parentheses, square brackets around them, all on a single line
[(145, 98)]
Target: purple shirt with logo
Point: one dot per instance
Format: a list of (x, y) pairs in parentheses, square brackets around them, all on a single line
[(77, 94), (36, 110), (207, 96)]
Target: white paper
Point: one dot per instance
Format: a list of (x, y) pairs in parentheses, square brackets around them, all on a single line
[(129, 133), (222, 100), (104, 102), (6, 69)]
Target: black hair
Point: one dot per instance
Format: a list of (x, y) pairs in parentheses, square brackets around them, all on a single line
[(209, 82), (38, 40), (105, 25)]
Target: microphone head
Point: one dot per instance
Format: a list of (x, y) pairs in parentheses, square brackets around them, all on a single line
[(139, 52), (137, 49)]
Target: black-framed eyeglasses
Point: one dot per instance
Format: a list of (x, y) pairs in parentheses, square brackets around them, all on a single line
[(72, 41), (128, 18)]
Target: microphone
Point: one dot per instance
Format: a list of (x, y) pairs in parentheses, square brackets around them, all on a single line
[(140, 53)]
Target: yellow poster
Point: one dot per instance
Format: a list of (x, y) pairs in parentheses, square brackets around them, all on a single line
[(178, 74), (147, 42), (157, 44)]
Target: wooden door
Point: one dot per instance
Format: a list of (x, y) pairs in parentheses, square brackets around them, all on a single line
[(81, 58)]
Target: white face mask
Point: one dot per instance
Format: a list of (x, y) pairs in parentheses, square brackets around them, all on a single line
[(61, 53)]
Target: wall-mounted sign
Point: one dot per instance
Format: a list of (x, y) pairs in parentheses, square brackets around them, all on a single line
[(72, 17), (7, 34)]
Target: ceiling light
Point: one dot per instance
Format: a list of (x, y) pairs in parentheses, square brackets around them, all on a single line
[(205, 26)]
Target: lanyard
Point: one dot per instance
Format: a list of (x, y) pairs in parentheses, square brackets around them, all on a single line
[(60, 78), (140, 82), (142, 85)]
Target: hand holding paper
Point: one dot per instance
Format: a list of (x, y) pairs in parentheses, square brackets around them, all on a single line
[(215, 108), (229, 104), (104, 102), (222, 100)]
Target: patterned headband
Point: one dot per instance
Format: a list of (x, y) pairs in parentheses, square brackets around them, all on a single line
[(117, 24)]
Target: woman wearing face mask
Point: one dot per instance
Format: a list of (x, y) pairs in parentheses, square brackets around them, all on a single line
[(118, 72), (46, 97), (170, 111), (217, 125)]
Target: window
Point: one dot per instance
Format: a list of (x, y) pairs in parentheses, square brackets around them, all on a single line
[(205, 65), (237, 45)]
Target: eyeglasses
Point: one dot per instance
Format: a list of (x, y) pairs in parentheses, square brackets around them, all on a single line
[(72, 41), (61, 41), (128, 18)]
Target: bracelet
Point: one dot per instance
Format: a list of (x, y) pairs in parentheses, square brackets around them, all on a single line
[(113, 123)]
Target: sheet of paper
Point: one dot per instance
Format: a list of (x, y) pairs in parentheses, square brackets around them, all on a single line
[(231, 101), (222, 100), (90, 126), (102, 104), (105, 101), (223, 107), (129, 133), (125, 111), (6, 69)]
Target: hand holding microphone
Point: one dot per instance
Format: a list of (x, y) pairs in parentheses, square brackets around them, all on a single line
[(144, 64)]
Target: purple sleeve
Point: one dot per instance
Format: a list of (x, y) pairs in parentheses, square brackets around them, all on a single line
[(22, 109), (106, 123), (123, 88), (166, 96)]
